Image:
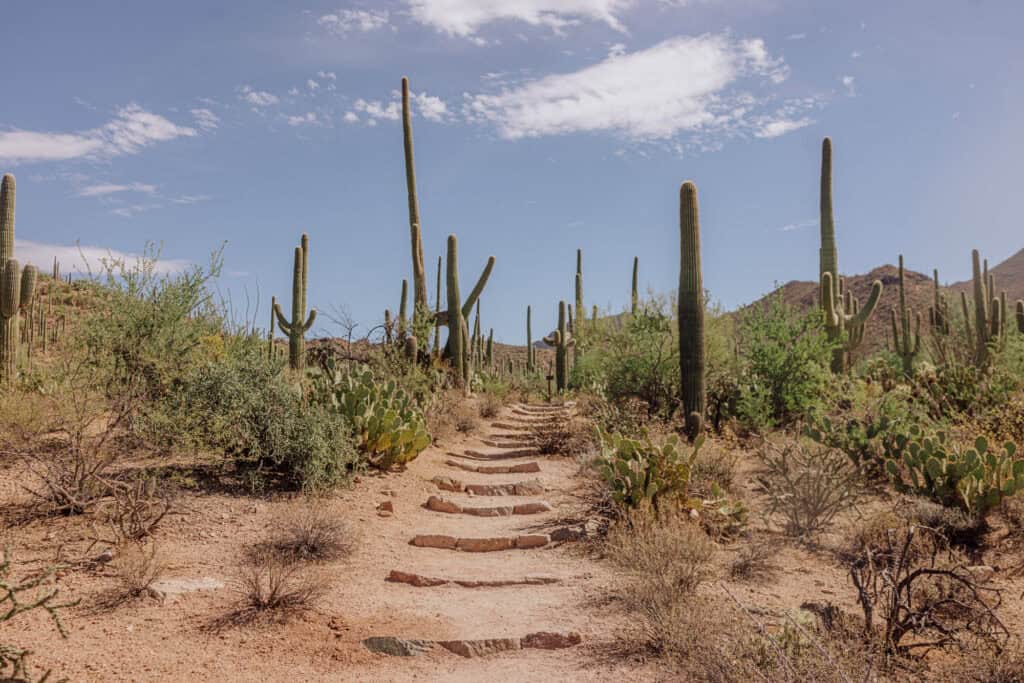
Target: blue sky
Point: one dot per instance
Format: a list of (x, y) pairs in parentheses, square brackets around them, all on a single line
[(540, 126)]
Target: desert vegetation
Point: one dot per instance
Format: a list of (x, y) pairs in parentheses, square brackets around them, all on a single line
[(776, 493)]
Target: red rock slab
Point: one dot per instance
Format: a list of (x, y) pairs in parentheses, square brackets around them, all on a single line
[(526, 541), (485, 545), (417, 580), (438, 504), (480, 648), (434, 541), (534, 508), (546, 640)]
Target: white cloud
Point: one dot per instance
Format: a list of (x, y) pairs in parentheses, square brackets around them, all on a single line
[(127, 133), (465, 17), (346, 20), (351, 117), (258, 98), (205, 118), (192, 198), (80, 259), (775, 128), (681, 85), (800, 225), (312, 85), (850, 83), (293, 91), (430, 107), (103, 189), (327, 75), (375, 109), (309, 118), (855, 54), (129, 211)]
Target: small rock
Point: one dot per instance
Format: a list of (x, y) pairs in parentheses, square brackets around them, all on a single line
[(493, 469), (104, 557), (529, 488), (484, 545), (480, 648), (546, 640), (438, 504), (448, 484), (498, 511), (434, 541), (387, 506), (397, 647), (527, 541), (385, 513), (417, 580), (524, 468), (568, 534), (389, 492), (532, 508)]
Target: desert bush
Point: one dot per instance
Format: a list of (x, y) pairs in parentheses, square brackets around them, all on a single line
[(753, 561), (17, 597), (269, 582), (388, 425), (569, 437), (309, 531), (627, 417), (490, 405), (807, 485), (138, 567), (135, 508), (785, 355), (974, 479)]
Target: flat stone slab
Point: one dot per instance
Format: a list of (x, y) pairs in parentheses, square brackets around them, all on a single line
[(486, 545), (507, 444), (481, 545), (527, 541), (438, 504), (447, 484), (419, 581), (523, 488), (489, 511), (480, 648), (181, 585), (434, 541), (547, 640), (507, 455), (521, 468), (397, 647), (534, 508)]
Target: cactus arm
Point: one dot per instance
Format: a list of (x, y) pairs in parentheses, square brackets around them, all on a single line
[(828, 255), (282, 322), (474, 294), (634, 298), (29, 276), (1020, 316), (861, 316), (437, 310), (828, 300), (309, 321), (456, 321)]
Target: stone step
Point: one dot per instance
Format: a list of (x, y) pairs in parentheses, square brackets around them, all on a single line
[(438, 504), (521, 468), (512, 427), (530, 487), (480, 545), (420, 581), (536, 418), (511, 445), (405, 647), (507, 455)]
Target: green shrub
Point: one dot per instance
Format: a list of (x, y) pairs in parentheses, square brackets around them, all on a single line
[(974, 479), (389, 428), (785, 355)]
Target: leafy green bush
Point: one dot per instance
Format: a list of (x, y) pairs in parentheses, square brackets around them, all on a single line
[(638, 471), (389, 428), (786, 357), (974, 479)]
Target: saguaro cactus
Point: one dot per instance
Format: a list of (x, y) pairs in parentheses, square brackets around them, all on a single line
[(579, 286), (938, 312), (529, 341), (989, 313), (17, 286), (419, 274), (490, 348), (1020, 316), (456, 320), (296, 328), (691, 311), (437, 311), (844, 318), (270, 334), (635, 298), (907, 343), (402, 310), (561, 339)]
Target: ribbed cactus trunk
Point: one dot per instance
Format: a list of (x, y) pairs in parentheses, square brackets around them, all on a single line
[(1020, 316), (579, 288), (437, 312), (297, 327), (529, 340), (691, 311), (388, 327), (456, 321), (7, 198), (828, 256), (906, 342), (403, 305), (561, 349), (635, 297), (490, 347), (270, 334), (419, 273), (17, 287), (938, 312)]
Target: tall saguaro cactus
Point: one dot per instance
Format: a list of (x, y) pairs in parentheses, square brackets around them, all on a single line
[(635, 298), (579, 285), (296, 328), (907, 343), (845, 320), (437, 311), (691, 311), (561, 339), (456, 320), (403, 323), (17, 286), (1020, 316), (419, 274), (938, 312), (989, 312), (530, 353)]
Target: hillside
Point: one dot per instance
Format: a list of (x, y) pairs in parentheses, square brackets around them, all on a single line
[(1009, 277)]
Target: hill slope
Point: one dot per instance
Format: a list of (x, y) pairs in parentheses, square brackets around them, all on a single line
[(1009, 277)]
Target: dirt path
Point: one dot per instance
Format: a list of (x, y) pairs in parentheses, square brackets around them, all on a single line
[(556, 588)]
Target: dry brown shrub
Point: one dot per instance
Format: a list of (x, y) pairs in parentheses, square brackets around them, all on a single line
[(490, 406), (269, 583), (138, 567), (309, 531), (451, 414), (571, 437), (753, 562)]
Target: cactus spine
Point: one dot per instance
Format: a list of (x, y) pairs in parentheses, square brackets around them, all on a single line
[(691, 311), (635, 298), (907, 343), (295, 328), (17, 287), (844, 318)]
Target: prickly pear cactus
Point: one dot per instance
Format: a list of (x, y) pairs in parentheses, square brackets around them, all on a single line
[(638, 472)]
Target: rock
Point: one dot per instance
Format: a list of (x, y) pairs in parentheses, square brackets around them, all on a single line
[(525, 468), (447, 484), (491, 489), (527, 541), (529, 488), (498, 583), (105, 557), (417, 580), (532, 508), (480, 648), (484, 545), (497, 511), (385, 513), (434, 541), (438, 504), (981, 573), (546, 640), (397, 647), (389, 492), (386, 506), (568, 533), (493, 469), (170, 587)]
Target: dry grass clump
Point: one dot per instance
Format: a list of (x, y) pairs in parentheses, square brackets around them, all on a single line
[(138, 567), (269, 583), (754, 561), (308, 531), (569, 437), (490, 406), (808, 485)]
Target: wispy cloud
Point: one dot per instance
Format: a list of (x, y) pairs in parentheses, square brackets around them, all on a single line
[(796, 36), (192, 198), (687, 85), (104, 189), (82, 259), (464, 18), (258, 98), (800, 225), (850, 83), (205, 118), (346, 20), (775, 128), (133, 209), (131, 129), (307, 119), (430, 107)]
